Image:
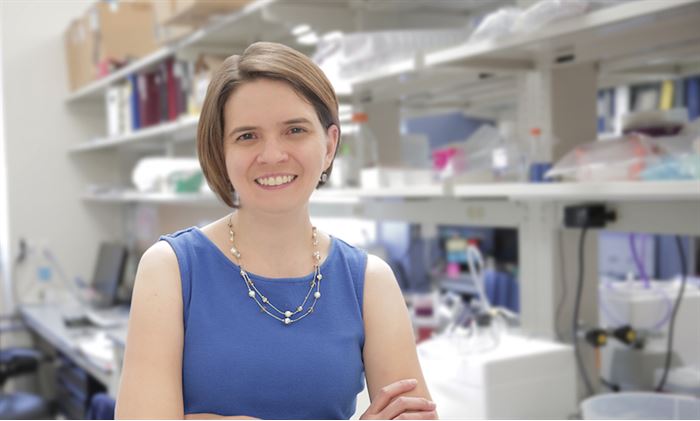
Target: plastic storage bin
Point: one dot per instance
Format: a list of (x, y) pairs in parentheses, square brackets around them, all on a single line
[(640, 406)]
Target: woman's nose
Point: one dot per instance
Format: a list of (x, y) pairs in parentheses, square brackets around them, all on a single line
[(272, 152)]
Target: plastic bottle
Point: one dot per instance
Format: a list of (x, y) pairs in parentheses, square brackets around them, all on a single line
[(367, 151), (539, 163)]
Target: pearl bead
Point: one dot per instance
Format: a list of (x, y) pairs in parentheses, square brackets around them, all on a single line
[(288, 314), (287, 321), (319, 276), (300, 308), (264, 299), (317, 294), (242, 273), (251, 293)]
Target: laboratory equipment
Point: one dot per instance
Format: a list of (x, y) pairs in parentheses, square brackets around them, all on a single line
[(520, 377), (648, 310), (640, 406)]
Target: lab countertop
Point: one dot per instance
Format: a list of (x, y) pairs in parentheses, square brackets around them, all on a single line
[(47, 321)]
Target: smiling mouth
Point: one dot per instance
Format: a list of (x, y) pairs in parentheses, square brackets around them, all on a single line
[(275, 181)]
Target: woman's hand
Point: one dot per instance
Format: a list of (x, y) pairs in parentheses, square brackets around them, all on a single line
[(390, 405), (204, 416)]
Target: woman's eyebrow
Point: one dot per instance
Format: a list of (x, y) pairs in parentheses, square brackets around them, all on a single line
[(296, 121), (242, 129), (299, 120)]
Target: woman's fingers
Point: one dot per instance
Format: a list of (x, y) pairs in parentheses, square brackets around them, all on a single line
[(423, 415), (406, 404), (388, 393)]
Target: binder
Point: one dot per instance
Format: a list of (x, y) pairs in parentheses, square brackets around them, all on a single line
[(125, 120), (692, 95), (162, 95), (143, 99), (112, 102), (134, 102), (172, 93), (666, 100), (152, 99), (678, 94)]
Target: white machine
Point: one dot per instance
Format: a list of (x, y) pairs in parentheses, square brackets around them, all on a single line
[(517, 377), (647, 308)]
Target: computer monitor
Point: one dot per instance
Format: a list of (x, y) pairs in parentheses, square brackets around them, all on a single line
[(109, 270)]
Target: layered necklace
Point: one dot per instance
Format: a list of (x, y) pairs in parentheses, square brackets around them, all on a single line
[(287, 316)]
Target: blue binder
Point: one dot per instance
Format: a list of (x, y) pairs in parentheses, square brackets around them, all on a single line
[(135, 111)]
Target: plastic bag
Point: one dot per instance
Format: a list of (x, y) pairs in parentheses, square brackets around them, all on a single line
[(632, 157), (484, 157), (363, 52), (545, 12), (496, 25)]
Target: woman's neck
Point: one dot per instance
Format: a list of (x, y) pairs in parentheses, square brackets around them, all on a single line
[(279, 240)]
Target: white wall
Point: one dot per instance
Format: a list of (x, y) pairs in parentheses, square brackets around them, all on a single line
[(44, 182)]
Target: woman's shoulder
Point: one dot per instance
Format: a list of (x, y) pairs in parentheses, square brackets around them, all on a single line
[(159, 256), (379, 273), (179, 234)]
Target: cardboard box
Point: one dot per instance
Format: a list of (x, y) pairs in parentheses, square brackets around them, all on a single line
[(78, 50), (197, 12), (163, 10), (122, 30), (165, 33)]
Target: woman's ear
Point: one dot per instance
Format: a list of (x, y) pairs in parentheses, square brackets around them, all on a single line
[(332, 139)]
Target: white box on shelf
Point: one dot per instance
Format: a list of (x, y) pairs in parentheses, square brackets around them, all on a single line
[(389, 177)]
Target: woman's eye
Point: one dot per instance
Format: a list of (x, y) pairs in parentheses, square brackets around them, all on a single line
[(246, 136), (297, 130)]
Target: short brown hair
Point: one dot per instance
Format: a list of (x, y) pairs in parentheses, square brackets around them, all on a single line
[(261, 60)]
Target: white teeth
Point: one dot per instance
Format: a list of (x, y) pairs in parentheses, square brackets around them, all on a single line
[(275, 181)]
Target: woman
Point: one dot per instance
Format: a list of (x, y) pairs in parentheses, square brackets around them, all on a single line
[(259, 314)]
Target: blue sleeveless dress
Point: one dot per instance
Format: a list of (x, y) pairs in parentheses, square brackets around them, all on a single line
[(240, 361)]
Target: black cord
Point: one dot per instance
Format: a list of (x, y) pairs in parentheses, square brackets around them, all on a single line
[(672, 325), (562, 297), (577, 308), (610, 385)]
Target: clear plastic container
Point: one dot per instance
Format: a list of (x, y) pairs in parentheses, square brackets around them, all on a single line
[(640, 406)]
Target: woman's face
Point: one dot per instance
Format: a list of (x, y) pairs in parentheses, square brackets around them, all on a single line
[(271, 136)]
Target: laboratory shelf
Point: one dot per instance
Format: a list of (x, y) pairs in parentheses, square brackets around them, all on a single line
[(620, 30), (684, 190), (321, 196), (235, 28), (132, 196), (184, 128), (408, 192), (396, 68)]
